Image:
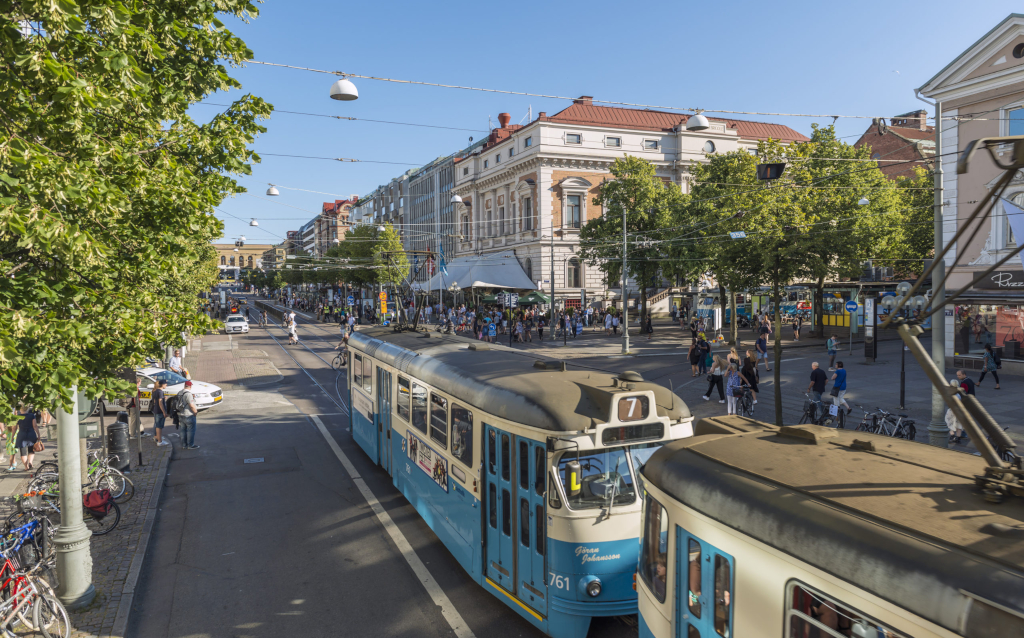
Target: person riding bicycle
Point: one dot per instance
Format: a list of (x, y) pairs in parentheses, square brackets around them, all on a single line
[(263, 318), (343, 346)]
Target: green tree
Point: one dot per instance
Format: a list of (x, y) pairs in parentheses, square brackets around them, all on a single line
[(108, 186), (645, 201)]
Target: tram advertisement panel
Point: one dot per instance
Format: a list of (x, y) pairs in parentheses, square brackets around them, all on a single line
[(433, 464), (363, 406)]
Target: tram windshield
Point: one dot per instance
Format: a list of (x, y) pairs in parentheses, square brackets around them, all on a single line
[(607, 479)]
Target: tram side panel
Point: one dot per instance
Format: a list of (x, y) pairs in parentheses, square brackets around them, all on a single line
[(363, 419), (716, 581)]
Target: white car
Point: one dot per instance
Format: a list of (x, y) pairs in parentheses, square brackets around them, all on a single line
[(236, 323), (207, 395)]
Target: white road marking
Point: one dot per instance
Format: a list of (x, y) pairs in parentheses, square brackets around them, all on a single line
[(437, 594)]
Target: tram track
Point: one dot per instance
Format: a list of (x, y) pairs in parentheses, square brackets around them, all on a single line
[(340, 402)]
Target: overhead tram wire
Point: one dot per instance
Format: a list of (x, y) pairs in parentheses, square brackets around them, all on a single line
[(363, 119), (338, 159), (562, 97)]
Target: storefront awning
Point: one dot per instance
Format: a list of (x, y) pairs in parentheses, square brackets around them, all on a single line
[(482, 271)]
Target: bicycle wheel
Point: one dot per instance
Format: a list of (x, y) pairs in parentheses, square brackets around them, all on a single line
[(120, 486), (909, 432), (101, 526), (841, 419), (805, 418), (337, 362), (47, 467), (50, 617)]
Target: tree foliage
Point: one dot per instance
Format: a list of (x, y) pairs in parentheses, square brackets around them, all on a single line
[(645, 201), (107, 185)]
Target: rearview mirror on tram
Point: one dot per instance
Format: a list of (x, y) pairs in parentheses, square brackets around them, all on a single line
[(573, 476)]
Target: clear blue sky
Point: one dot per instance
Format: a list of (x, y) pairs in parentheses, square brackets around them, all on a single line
[(793, 57)]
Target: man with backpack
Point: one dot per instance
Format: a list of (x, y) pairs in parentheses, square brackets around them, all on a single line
[(187, 412), (832, 345)]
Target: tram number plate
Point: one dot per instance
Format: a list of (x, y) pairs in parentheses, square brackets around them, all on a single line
[(559, 582)]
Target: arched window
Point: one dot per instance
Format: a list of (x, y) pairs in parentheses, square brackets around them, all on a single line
[(223, 260), (528, 267), (232, 261), (573, 273), (250, 261)]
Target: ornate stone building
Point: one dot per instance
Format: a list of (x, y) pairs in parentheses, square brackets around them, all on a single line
[(528, 191)]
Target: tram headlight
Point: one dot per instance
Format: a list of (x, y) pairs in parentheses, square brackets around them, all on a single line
[(591, 585)]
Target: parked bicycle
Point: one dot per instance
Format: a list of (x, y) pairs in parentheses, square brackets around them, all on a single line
[(884, 423), (101, 477), (745, 402), (818, 413)]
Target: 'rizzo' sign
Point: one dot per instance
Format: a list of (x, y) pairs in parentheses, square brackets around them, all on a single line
[(1002, 280)]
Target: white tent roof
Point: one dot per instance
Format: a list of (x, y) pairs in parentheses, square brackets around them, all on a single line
[(483, 271)]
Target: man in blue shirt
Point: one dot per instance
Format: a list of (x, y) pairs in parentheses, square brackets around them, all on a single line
[(839, 383), (762, 351)]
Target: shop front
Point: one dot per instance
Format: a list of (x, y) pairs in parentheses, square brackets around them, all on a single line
[(991, 313)]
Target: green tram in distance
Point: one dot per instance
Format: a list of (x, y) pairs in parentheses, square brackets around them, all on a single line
[(812, 532)]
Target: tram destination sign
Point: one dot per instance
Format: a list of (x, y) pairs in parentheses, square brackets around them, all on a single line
[(1002, 280)]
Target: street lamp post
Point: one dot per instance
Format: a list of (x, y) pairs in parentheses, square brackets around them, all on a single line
[(625, 301)]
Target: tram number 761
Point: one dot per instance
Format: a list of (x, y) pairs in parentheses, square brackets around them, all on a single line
[(559, 582)]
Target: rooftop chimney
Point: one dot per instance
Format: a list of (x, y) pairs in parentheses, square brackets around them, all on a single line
[(542, 114), (585, 100), (504, 119)]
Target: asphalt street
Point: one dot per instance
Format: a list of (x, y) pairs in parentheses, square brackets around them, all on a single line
[(290, 546)]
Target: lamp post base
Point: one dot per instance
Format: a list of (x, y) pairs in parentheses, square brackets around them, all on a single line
[(74, 566), (938, 434)]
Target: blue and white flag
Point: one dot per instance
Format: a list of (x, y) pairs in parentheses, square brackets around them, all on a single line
[(444, 266), (1015, 216)]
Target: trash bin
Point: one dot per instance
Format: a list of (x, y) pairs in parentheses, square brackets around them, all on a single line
[(117, 442)]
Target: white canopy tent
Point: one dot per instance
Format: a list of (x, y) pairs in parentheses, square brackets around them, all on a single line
[(482, 271)]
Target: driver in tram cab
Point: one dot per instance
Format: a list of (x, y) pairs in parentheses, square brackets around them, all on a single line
[(660, 577)]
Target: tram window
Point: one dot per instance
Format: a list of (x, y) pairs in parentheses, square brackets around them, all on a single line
[(541, 530), (492, 505), (606, 479), (419, 407), (693, 584), (357, 371), (524, 465), (506, 513), (439, 419), (492, 451), (540, 469), (654, 548), (811, 613), (367, 375), (404, 398), (524, 522), (723, 596), (506, 461), (554, 500), (693, 632), (462, 434)]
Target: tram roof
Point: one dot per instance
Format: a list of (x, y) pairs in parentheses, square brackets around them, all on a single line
[(904, 520), (506, 382)]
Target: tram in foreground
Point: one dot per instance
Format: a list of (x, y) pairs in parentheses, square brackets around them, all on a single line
[(525, 468), (810, 532)]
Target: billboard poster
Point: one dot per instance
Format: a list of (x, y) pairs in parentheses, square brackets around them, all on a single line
[(433, 464)]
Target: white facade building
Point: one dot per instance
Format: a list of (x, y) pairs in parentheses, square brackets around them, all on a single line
[(529, 189)]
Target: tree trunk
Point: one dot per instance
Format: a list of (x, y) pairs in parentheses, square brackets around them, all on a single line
[(777, 350), (819, 310), (734, 323)]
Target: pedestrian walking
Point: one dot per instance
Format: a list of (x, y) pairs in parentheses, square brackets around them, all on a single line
[(992, 363), (187, 412), (832, 345), (695, 356), (293, 336), (615, 324), (818, 380), (706, 360), (956, 430), (749, 374), (649, 325), (28, 434), (158, 405), (718, 368), (839, 387), (797, 324), (966, 383), (733, 382), (762, 350), (608, 324)]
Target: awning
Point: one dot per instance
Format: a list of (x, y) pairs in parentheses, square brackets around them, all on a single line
[(534, 298), (483, 271)]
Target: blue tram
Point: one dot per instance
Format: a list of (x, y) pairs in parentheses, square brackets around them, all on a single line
[(811, 532), (526, 469)]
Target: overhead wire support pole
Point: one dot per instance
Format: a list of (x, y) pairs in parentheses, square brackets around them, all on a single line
[(625, 302)]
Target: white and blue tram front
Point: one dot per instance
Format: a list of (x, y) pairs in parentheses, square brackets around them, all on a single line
[(543, 512)]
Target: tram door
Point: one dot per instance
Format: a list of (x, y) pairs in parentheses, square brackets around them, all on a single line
[(704, 588), (384, 418), (531, 466), (501, 498)]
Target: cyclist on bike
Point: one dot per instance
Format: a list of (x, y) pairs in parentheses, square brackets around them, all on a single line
[(263, 319), (343, 346)]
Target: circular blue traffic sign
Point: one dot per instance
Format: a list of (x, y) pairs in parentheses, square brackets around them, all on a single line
[(351, 300), (851, 306)]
